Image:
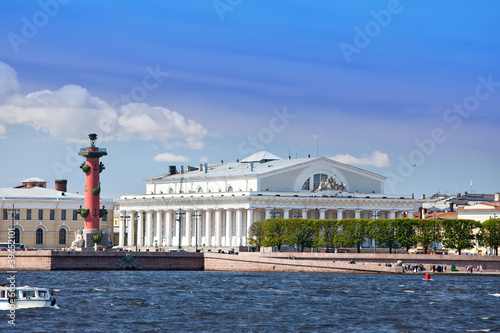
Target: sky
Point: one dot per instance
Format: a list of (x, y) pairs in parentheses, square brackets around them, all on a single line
[(406, 89)]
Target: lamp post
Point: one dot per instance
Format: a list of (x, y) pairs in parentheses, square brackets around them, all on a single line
[(196, 215), (13, 213), (274, 213), (179, 219), (375, 216)]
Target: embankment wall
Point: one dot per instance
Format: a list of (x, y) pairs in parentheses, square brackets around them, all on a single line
[(244, 261)]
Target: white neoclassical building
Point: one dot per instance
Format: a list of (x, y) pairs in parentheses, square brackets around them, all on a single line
[(214, 205)]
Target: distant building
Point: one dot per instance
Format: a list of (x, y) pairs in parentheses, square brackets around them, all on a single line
[(44, 218), (216, 204), (481, 211), (441, 203)]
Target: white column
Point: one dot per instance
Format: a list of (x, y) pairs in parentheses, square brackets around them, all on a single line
[(167, 232), (149, 230), (357, 214), (392, 214), (130, 229), (197, 226), (217, 227), (208, 227), (339, 214), (229, 224), (239, 227), (410, 215), (322, 214), (121, 234), (187, 229), (268, 213), (158, 231), (249, 220), (286, 213), (304, 213), (140, 228)]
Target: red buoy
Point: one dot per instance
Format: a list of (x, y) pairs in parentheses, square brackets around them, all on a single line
[(427, 276)]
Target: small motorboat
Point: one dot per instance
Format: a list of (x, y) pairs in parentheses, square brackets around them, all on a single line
[(25, 297)]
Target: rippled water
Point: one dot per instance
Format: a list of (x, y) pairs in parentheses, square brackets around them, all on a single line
[(165, 301)]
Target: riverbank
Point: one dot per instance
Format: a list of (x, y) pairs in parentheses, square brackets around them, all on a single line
[(348, 263), (249, 262)]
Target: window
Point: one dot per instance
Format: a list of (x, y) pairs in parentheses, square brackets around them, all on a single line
[(318, 178), (5, 214), (40, 214), (170, 190), (75, 215), (52, 214), (63, 214), (39, 236), (230, 189), (17, 235), (200, 189), (105, 217), (305, 187), (17, 214), (28, 214), (62, 236)]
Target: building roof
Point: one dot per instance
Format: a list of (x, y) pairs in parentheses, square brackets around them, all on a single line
[(33, 180), (239, 170), (495, 205), (39, 193), (261, 156), (442, 215), (36, 193)]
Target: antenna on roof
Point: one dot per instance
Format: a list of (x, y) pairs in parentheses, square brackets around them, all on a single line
[(317, 144)]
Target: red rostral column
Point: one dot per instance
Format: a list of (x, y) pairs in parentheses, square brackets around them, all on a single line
[(92, 168)]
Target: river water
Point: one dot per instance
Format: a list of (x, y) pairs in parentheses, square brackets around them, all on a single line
[(171, 301)]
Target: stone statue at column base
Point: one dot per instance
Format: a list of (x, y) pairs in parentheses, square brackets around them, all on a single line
[(78, 243)]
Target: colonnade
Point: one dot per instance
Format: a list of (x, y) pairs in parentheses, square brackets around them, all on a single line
[(217, 227)]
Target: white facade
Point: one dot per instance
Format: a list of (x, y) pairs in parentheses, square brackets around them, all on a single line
[(480, 212), (218, 203)]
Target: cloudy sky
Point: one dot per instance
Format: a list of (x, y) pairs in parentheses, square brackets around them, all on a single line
[(406, 89)]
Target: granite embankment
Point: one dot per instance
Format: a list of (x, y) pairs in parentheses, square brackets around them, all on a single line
[(345, 262), (244, 262)]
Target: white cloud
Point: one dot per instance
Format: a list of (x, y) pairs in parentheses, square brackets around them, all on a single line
[(72, 112), (203, 159), (377, 159), (169, 157), (8, 79), (156, 123), (67, 113)]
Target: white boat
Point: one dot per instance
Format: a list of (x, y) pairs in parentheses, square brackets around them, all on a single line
[(26, 297)]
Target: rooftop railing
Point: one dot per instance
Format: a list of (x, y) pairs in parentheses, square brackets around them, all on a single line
[(99, 150)]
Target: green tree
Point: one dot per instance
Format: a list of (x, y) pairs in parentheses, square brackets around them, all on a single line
[(405, 232), (383, 232), (459, 234), (256, 235), (326, 233), (300, 232), (274, 231), (490, 234), (353, 232), (427, 231)]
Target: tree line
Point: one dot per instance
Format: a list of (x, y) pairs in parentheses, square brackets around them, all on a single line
[(458, 234)]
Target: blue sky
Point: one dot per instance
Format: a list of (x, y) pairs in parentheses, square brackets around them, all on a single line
[(406, 89)]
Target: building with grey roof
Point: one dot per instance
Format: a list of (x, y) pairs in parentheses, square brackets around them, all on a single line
[(214, 205)]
